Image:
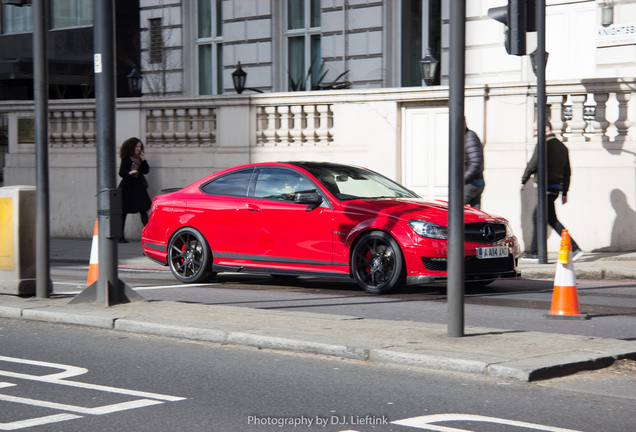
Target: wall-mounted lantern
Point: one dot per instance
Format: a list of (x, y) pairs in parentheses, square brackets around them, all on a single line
[(239, 76), (428, 66), (607, 14), (134, 82)]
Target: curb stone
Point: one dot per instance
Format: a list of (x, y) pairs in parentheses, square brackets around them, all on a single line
[(356, 339)]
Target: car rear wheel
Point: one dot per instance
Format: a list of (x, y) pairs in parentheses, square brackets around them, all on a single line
[(377, 263), (189, 257)]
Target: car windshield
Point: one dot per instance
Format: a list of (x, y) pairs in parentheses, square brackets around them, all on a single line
[(350, 183)]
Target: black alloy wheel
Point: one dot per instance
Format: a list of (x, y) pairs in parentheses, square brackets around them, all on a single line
[(377, 263), (189, 257)]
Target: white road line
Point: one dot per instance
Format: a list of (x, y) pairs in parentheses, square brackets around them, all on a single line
[(37, 421), (174, 286), (92, 386), (59, 378), (106, 409), (139, 288), (69, 371), (73, 371), (424, 422)]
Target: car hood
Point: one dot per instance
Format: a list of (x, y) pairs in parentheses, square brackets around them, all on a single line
[(413, 208)]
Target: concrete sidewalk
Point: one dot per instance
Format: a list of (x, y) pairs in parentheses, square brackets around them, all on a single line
[(502, 354)]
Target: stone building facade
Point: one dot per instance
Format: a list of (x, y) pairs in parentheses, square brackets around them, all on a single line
[(194, 123)]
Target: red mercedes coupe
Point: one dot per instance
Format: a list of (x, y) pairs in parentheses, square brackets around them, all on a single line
[(323, 220)]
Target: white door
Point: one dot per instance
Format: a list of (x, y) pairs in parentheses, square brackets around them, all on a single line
[(425, 151)]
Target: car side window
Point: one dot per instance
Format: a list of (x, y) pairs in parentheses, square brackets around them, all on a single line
[(233, 184), (279, 184)]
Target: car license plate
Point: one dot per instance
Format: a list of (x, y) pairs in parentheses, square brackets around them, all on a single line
[(492, 252)]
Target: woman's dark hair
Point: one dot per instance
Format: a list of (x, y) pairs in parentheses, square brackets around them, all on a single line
[(128, 147)]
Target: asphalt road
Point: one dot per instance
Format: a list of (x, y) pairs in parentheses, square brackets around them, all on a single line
[(65, 378), (515, 304)]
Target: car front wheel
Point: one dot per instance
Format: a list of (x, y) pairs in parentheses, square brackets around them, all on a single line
[(377, 263), (189, 257)]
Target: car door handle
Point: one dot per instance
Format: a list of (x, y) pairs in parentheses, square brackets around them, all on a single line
[(251, 207)]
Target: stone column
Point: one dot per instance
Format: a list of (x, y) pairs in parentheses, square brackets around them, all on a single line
[(578, 123), (600, 123)]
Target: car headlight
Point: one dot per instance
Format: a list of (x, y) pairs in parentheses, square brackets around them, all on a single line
[(509, 232), (429, 229)]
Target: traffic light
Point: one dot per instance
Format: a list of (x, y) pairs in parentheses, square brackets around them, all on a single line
[(531, 15), (519, 18)]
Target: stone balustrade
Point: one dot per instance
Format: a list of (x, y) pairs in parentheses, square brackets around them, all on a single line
[(187, 127), (297, 125), (599, 111), (71, 128), (284, 125)]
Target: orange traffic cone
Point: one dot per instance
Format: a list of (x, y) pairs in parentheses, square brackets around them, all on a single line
[(93, 263), (565, 299)]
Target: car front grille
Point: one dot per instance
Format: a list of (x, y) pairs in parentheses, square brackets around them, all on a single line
[(436, 265), (473, 265), (484, 232)]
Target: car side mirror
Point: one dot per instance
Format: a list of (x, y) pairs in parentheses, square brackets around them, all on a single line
[(308, 197)]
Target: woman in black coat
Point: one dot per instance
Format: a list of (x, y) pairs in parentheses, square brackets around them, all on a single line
[(133, 168)]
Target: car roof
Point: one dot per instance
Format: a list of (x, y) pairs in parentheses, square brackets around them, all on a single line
[(304, 164), (308, 166), (301, 164)]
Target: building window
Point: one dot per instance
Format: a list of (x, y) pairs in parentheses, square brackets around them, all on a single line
[(156, 41), (304, 59), (72, 13), (210, 46), (421, 29), (16, 19)]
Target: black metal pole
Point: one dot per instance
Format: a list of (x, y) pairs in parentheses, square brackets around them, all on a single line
[(107, 284), (43, 285), (542, 180), (456, 170), (108, 289)]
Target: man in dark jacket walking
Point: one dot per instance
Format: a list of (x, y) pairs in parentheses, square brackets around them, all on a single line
[(473, 168), (558, 182)]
